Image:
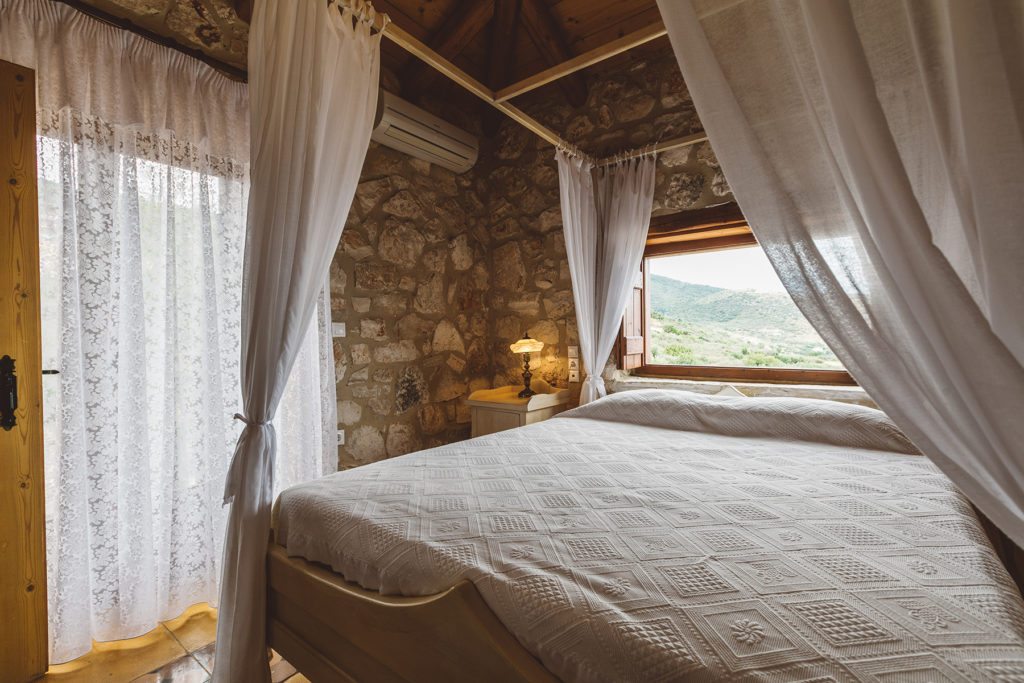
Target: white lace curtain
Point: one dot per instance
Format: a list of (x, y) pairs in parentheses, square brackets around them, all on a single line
[(605, 216), (877, 150), (142, 223)]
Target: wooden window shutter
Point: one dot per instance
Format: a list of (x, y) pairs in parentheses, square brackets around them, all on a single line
[(631, 345)]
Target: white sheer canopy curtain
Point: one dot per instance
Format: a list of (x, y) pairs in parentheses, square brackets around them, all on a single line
[(313, 74), (605, 216), (143, 157), (876, 149)]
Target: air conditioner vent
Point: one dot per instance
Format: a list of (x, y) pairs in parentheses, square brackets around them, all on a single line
[(407, 128)]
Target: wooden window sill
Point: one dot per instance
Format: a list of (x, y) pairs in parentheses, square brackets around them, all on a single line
[(749, 375)]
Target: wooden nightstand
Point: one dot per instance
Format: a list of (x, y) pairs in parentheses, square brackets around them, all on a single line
[(495, 410)]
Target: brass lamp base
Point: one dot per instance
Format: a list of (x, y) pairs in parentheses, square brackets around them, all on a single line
[(527, 392)]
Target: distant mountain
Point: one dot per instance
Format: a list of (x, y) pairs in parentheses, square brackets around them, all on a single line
[(701, 325), (743, 309)]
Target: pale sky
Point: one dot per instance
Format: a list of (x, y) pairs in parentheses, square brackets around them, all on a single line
[(743, 268)]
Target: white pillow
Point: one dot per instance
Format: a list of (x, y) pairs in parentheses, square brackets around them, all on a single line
[(795, 419)]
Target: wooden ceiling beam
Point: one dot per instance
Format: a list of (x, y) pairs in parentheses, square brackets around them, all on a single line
[(547, 35), (582, 61), (503, 43), (463, 24)]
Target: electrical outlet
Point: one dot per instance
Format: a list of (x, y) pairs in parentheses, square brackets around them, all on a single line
[(574, 365), (341, 437), (338, 329)]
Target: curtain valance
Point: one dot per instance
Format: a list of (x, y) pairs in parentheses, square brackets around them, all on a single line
[(124, 79)]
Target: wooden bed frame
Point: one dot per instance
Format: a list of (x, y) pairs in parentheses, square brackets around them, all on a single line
[(336, 632)]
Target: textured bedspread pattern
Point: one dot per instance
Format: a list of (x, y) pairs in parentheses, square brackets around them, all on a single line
[(660, 537)]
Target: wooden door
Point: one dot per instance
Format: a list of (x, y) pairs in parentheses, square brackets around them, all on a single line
[(23, 647)]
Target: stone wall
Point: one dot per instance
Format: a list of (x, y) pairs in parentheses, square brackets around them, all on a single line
[(438, 273), (633, 100), (410, 280)]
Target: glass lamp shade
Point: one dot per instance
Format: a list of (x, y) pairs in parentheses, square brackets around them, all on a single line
[(527, 345)]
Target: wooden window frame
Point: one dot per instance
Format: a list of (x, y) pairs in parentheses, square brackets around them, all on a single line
[(713, 229)]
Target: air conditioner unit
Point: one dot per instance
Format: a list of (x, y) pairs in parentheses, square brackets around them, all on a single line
[(407, 128)]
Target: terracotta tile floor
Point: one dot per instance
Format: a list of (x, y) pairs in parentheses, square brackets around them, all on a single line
[(177, 651)]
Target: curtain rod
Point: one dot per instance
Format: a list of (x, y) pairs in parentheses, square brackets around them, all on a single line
[(675, 143)]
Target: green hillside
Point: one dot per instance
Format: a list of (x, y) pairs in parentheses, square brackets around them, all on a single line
[(702, 325)]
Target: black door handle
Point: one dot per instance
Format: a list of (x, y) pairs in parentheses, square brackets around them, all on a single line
[(8, 394)]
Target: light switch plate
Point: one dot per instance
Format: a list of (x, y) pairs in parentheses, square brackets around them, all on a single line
[(574, 376), (574, 352), (338, 329), (341, 437)]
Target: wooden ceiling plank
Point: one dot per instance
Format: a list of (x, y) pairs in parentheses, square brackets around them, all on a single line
[(547, 35), (420, 17), (415, 22), (501, 57), (506, 21), (530, 62), (580, 18), (594, 35), (466, 20), (580, 62)]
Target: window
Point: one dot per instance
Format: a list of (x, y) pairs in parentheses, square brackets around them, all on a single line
[(708, 305)]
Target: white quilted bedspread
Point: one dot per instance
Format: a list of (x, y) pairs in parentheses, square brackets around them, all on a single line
[(661, 536)]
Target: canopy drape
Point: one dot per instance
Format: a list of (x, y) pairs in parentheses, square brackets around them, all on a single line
[(605, 216), (142, 199), (876, 150), (313, 74)]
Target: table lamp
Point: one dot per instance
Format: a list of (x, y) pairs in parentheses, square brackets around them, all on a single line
[(526, 346)]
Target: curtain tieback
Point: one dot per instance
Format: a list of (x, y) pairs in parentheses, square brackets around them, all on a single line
[(251, 423), (236, 468)]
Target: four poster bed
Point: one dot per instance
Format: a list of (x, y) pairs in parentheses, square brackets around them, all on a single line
[(648, 536)]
